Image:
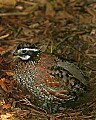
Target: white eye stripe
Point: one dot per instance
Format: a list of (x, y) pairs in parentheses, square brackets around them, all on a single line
[(29, 49)]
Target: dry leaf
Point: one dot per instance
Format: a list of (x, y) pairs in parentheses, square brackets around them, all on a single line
[(6, 106), (1, 60), (8, 72), (7, 3), (49, 10), (7, 116), (64, 14), (1, 48), (85, 19), (61, 2), (3, 85), (42, 2)]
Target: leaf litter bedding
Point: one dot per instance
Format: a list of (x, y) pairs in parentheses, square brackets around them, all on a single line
[(64, 28)]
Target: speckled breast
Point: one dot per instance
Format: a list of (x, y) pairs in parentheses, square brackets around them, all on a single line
[(50, 80)]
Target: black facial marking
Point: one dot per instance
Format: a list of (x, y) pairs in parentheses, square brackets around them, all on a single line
[(27, 52)]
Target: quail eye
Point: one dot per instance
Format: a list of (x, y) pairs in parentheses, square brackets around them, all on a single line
[(24, 51)]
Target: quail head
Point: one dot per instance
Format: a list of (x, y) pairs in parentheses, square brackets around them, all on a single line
[(52, 82)]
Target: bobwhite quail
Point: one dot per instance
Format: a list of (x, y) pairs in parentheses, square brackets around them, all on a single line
[(51, 81)]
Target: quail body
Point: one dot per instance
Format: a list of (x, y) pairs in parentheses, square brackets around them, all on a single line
[(52, 82)]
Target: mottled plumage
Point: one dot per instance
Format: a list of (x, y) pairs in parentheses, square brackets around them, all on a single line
[(51, 81)]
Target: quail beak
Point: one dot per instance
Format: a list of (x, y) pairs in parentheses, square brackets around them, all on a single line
[(15, 54)]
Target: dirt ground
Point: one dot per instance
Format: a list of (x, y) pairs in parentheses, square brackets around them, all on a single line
[(66, 28)]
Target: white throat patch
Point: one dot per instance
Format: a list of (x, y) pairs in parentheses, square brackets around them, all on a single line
[(25, 57)]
